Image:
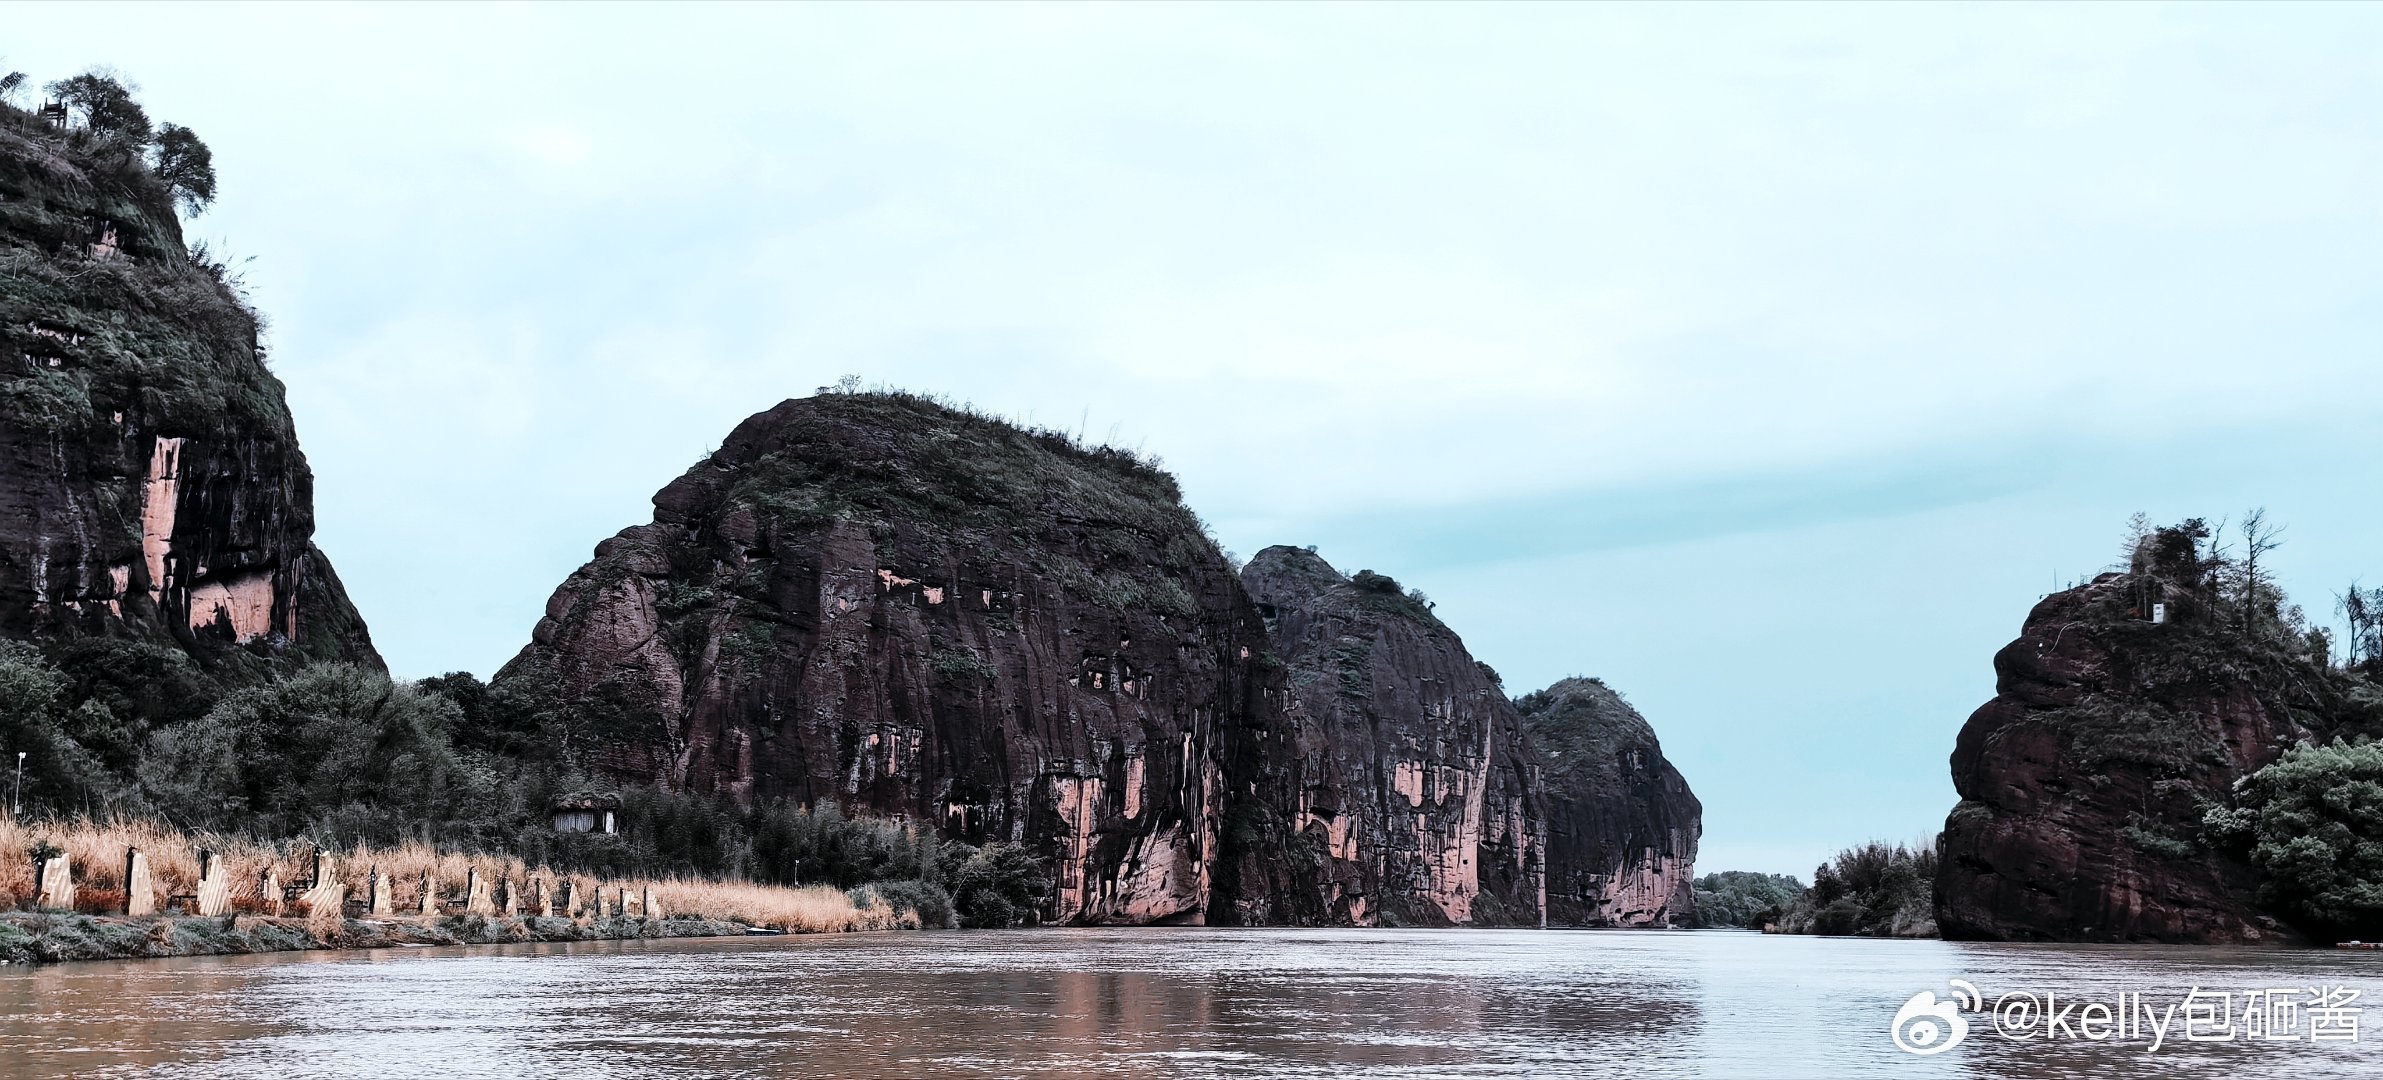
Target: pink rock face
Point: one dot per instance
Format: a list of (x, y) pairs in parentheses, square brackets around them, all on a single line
[(2084, 780), (159, 494), (1404, 744), (1623, 826), (242, 605)]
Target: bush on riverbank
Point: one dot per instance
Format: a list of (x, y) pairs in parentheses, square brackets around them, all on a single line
[(1875, 890), (414, 775), (1743, 899)]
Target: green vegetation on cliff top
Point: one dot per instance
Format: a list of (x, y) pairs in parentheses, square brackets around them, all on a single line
[(102, 308), (932, 481)]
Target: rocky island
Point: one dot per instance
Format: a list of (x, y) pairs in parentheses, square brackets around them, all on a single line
[(2128, 709)]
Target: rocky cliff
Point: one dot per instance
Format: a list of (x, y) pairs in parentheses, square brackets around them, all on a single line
[(2084, 781), (922, 613), (1622, 824), (151, 486), (1410, 778)]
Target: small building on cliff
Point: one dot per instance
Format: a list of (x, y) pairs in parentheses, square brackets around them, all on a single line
[(587, 811)]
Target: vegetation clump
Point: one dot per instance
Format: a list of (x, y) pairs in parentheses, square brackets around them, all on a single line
[(2312, 822), (1383, 593), (1743, 899), (932, 480), (103, 309), (343, 758), (1875, 890)]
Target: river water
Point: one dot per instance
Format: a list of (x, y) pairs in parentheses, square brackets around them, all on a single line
[(1166, 1002)]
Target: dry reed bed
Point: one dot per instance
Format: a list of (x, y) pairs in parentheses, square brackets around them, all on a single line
[(96, 849)]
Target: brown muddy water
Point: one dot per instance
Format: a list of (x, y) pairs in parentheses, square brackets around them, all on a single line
[(1159, 1002)]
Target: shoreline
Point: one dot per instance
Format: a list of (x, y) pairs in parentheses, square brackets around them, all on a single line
[(41, 938)]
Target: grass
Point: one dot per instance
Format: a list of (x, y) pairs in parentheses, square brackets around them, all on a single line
[(96, 850)]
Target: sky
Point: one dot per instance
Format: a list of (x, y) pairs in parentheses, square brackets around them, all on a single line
[(1768, 362)]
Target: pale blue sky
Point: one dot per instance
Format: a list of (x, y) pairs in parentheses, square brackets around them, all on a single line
[(1767, 361)]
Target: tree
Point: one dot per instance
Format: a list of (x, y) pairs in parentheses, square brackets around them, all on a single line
[(40, 717), (2258, 538), (1001, 885), (1744, 898), (9, 85), (106, 107), (332, 740), (1881, 889), (2313, 821), (186, 166), (2362, 643)]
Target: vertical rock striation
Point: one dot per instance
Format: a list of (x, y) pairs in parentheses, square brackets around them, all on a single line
[(151, 484), (1412, 784), (925, 614), (1622, 824)]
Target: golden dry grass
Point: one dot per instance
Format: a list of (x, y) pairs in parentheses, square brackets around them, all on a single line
[(814, 909), (96, 850)]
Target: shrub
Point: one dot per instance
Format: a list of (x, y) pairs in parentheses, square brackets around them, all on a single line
[(94, 901), (1877, 889), (2312, 820), (1842, 917), (1742, 898), (925, 899), (1000, 886)]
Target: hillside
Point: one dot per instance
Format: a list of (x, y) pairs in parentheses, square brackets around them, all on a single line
[(922, 613), (156, 513)]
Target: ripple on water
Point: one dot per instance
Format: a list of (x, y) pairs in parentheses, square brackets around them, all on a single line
[(1150, 1002)]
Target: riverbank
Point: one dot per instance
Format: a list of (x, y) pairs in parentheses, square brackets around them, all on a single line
[(87, 889), (43, 938)]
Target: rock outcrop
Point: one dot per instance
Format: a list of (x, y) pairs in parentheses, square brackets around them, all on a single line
[(2084, 781), (1622, 824), (1411, 781), (922, 613), (151, 486)]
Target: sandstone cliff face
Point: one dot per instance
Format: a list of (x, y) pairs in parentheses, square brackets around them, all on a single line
[(926, 614), (1412, 785), (921, 613), (2083, 782), (151, 484), (1622, 824)]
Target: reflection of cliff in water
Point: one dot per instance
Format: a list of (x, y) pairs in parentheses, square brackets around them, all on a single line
[(1122, 1002)]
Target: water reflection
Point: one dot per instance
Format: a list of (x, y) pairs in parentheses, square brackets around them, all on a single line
[(1173, 1002)]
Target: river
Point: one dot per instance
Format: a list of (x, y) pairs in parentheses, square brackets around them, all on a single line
[(1168, 1002)]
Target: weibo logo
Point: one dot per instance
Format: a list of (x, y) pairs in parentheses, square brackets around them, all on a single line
[(1926, 1025)]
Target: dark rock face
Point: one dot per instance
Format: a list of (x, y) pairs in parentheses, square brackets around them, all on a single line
[(926, 614), (2084, 780), (1622, 824), (151, 484), (1412, 784)]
